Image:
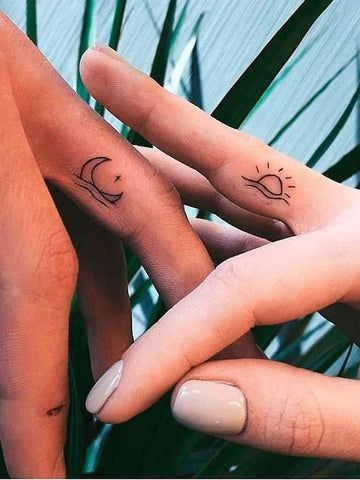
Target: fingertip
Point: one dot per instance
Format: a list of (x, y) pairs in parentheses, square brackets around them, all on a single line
[(98, 61), (88, 64)]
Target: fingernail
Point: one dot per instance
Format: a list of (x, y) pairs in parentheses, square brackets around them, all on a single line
[(103, 388), (211, 407), (100, 47)]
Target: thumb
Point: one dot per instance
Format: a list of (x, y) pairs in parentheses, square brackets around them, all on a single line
[(272, 406)]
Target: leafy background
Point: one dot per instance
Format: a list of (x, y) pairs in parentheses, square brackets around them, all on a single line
[(294, 72)]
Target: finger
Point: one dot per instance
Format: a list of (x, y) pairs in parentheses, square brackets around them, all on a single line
[(102, 173), (247, 172), (272, 406), (223, 242), (264, 286), (197, 191), (102, 286), (226, 242), (37, 280)]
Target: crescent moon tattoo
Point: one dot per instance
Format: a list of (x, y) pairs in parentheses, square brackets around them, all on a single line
[(87, 181), (272, 185)]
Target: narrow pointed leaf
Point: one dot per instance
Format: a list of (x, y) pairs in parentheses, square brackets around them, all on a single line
[(31, 20), (308, 104), (158, 70), (248, 89), (334, 132), (346, 167), (114, 37), (85, 43)]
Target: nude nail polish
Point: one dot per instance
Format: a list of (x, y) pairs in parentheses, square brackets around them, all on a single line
[(104, 388), (211, 407)]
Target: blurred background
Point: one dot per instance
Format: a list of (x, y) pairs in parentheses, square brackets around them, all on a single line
[(300, 95)]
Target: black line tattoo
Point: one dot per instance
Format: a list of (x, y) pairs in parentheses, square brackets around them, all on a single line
[(271, 185), (87, 181)]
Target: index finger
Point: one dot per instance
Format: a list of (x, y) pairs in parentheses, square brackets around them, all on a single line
[(248, 172), (102, 173), (268, 285)]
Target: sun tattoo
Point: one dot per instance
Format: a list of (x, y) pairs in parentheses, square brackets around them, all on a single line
[(272, 185), (89, 180)]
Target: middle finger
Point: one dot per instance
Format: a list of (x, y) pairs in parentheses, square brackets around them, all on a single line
[(248, 172)]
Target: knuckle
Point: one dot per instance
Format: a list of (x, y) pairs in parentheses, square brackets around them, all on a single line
[(224, 273), (233, 271), (162, 198), (295, 425)]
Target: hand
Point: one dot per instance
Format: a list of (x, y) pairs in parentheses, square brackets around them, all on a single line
[(254, 401), (83, 157), (38, 270)]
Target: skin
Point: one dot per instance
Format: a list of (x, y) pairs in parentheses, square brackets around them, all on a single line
[(63, 134), (37, 279), (270, 283)]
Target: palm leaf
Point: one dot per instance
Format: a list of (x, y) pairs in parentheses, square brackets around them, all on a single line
[(114, 37), (346, 167), (308, 104), (334, 132), (252, 84), (31, 23), (158, 69), (85, 42)]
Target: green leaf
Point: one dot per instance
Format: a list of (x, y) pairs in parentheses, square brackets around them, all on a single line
[(125, 446), (114, 37), (308, 104), (346, 167), (170, 446), (346, 360), (178, 68), (75, 445), (86, 38), (252, 84), (334, 132), (158, 70), (79, 421), (31, 24), (142, 290), (284, 74), (325, 351)]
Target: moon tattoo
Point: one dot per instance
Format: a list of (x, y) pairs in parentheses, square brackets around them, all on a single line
[(90, 179), (271, 185)]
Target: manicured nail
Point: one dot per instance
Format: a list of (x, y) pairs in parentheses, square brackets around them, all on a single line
[(100, 47), (103, 388), (211, 407)]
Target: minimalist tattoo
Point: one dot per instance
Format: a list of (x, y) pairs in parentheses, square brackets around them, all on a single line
[(92, 178), (272, 185)]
